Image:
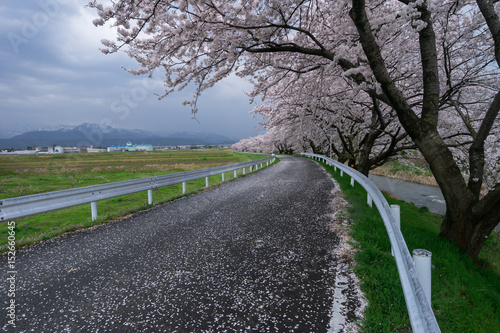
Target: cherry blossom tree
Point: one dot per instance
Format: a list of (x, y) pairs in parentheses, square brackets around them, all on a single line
[(291, 133), (366, 132), (259, 144), (273, 141), (469, 218), (435, 64)]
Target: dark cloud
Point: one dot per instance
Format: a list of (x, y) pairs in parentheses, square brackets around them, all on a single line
[(52, 73)]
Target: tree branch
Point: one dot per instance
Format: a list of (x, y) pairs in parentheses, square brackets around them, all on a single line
[(372, 51)]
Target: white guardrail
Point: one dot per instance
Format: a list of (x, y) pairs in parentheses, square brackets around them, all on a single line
[(417, 302), (18, 207)]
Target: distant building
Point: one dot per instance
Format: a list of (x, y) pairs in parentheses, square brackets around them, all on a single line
[(160, 148), (96, 150), (131, 147), (72, 150), (51, 150), (19, 152)]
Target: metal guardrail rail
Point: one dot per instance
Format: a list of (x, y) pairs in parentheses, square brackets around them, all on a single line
[(18, 207), (419, 309)]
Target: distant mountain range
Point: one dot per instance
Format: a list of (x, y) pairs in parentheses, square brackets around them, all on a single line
[(87, 135)]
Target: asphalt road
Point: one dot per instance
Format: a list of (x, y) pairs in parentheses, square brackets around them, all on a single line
[(253, 255)]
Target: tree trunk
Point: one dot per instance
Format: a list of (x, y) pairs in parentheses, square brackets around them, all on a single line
[(364, 164), (470, 229), (468, 220)]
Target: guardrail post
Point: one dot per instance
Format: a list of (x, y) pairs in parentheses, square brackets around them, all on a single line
[(183, 187), (243, 170), (206, 182), (396, 211), (423, 259), (223, 176), (93, 209), (369, 200), (352, 181), (150, 197), (235, 173), (341, 173)]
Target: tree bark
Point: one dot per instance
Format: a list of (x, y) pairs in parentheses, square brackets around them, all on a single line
[(368, 142), (468, 220)]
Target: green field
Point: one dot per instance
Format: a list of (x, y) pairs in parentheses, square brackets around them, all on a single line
[(26, 175)]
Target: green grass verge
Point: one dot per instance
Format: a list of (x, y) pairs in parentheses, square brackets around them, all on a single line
[(465, 298), (105, 168)]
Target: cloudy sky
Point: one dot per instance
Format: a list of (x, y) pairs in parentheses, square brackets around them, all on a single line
[(53, 73)]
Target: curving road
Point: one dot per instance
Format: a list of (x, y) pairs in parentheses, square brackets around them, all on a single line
[(253, 255)]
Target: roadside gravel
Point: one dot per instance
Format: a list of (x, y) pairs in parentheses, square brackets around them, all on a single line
[(252, 255)]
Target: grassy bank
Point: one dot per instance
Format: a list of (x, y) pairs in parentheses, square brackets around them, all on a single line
[(22, 175), (25, 175), (411, 168), (465, 298)]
